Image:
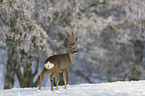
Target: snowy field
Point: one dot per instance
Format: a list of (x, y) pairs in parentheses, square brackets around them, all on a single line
[(133, 88)]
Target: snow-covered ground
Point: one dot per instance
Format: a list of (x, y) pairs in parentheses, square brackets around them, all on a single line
[(133, 88)]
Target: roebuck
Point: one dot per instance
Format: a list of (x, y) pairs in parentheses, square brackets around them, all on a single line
[(60, 63)]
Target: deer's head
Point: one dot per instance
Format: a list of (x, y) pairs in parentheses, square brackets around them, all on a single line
[(71, 41)]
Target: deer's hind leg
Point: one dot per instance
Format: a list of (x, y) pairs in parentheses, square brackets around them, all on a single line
[(51, 79), (44, 73)]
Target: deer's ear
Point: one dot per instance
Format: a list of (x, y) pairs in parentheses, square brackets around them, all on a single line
[(76, 39), (67, 41)]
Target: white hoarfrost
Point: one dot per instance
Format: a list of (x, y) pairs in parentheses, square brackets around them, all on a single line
[(133, 88)]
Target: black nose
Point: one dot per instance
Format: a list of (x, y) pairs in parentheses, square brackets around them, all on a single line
[(75, 51)]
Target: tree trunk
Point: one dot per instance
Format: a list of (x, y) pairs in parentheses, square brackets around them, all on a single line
[(12, 57), (137, 68), (13, 66), (26, 79)]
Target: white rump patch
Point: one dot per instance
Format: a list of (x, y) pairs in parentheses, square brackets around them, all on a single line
[(49, 65)]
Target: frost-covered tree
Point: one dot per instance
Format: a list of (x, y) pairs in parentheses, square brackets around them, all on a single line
[(126, 44), (22, 38), (115, 48)]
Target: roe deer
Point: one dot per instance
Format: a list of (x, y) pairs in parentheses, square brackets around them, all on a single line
[(60, 63)]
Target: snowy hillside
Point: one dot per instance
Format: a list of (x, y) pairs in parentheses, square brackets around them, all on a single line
[(133, 88)]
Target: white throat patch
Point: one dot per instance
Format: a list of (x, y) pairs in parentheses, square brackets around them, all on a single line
[(49, 65)]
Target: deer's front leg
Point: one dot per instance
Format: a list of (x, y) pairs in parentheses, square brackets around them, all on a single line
[(64, 78), (58, 79)]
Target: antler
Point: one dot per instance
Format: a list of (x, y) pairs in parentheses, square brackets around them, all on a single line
[(68, 37), (73, 37)]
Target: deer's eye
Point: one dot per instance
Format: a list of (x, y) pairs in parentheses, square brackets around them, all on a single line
[(71, 47)]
